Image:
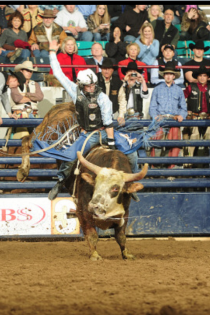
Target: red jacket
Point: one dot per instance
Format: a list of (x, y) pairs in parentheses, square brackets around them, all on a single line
[(65, 59), (126, 62)]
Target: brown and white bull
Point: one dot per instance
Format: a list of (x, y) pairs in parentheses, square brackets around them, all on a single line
[(104, 189)]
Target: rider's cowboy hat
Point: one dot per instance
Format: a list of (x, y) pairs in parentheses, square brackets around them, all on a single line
[(198, 45), (48, 14), (28, 65), (170, 68), (132, 66), (199, 71)]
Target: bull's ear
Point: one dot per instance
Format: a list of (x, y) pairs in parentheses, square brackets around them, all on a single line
[(134, 187), (88, 178)]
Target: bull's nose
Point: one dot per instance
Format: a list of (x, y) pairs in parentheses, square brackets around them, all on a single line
[(93, 208)]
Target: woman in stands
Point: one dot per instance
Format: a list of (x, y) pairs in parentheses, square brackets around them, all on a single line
[(155, 13), (133, 51), (116, 48), (69, 56), (149, 47), (195, 26), (11, 34), (99, 23)]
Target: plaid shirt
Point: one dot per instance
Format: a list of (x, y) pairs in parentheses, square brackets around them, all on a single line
[(51, 6)]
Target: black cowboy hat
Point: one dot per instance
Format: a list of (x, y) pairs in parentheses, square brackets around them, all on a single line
[(20, 77), (131, 66), (201, 70), (107, 63), (199, 45), (170, 67)]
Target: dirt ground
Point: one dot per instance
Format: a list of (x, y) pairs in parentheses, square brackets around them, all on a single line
[(168, 277)]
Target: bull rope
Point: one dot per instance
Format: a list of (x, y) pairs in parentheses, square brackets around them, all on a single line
[(45, 149)]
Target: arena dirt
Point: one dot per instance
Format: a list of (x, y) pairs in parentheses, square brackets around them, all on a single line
[(57, 278)]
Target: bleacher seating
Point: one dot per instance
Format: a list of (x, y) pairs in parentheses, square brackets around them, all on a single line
[(84, 48)]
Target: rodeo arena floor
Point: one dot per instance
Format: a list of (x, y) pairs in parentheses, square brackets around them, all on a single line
[(44, 257)]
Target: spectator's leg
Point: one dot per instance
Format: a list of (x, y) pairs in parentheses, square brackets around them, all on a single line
[(36, 53), (25, 53), (106, 37), (44, 53), (133, 159), (97, 37), (85, 36), (129, 38), (114, 18)]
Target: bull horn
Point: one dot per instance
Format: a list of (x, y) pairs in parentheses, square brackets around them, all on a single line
[(136, 176), (92, 167)]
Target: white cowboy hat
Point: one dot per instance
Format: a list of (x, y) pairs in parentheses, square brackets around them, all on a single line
[(26, 65)]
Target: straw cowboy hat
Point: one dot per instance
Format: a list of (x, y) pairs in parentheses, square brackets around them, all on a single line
[(201, 70), (199, 45), (132, 66), (170, 68), (28, 65), (48, 14), (107, 63)]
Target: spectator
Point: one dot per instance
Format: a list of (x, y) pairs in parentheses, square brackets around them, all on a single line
[(134, 89), (165, 32), (99, 23), (116, 10), (198, 60), (73, 23), (195, 26), (86, 10), (13, 80), (168, 55), (149, 47), (110, 85), (168, 98), (55, 7), (131, 21), (116, 48), (155, 13), (11, 34), (43, 33), (197, 95), (133, 51), (25, 102), (32, 17), (97, 53), (5, 13), (69, 56), (174, 8)]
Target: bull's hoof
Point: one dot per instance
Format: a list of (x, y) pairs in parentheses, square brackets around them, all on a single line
[(128, 256), (95, 256), (22, 175)]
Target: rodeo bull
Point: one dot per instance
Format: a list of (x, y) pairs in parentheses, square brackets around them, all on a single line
[(103, 191)]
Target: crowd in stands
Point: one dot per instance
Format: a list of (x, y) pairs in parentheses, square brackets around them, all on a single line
[(134, 36)]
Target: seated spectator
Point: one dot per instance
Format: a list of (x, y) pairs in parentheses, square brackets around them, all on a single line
[(99, 23), (174, 8), (168, 98), (73, 23), (9, 81), (198, 60), (155, 13), (5, 13), (131, 21), (86, 10), (149, 47), (198, 107), (168, 55), (195, 26), (110, 85), (11, 34), (24, 102), (54, 7), (133, 51), (165, 32), (97, 53), (32, 17), (43, 33), (69, 56), (116, 48)]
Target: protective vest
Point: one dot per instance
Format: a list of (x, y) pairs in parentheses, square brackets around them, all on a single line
[(161, 62), (32, 88), (137, 100), (195, 99), (88, 111)]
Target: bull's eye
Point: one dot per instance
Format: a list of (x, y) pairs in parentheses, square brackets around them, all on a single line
[(114, 190)]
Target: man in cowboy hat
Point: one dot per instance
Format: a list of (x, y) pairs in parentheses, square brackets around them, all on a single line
[(44, 33), (197, 95), (198, 60), (25, 102), (168, 99), (13, 80), (110, 85)]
